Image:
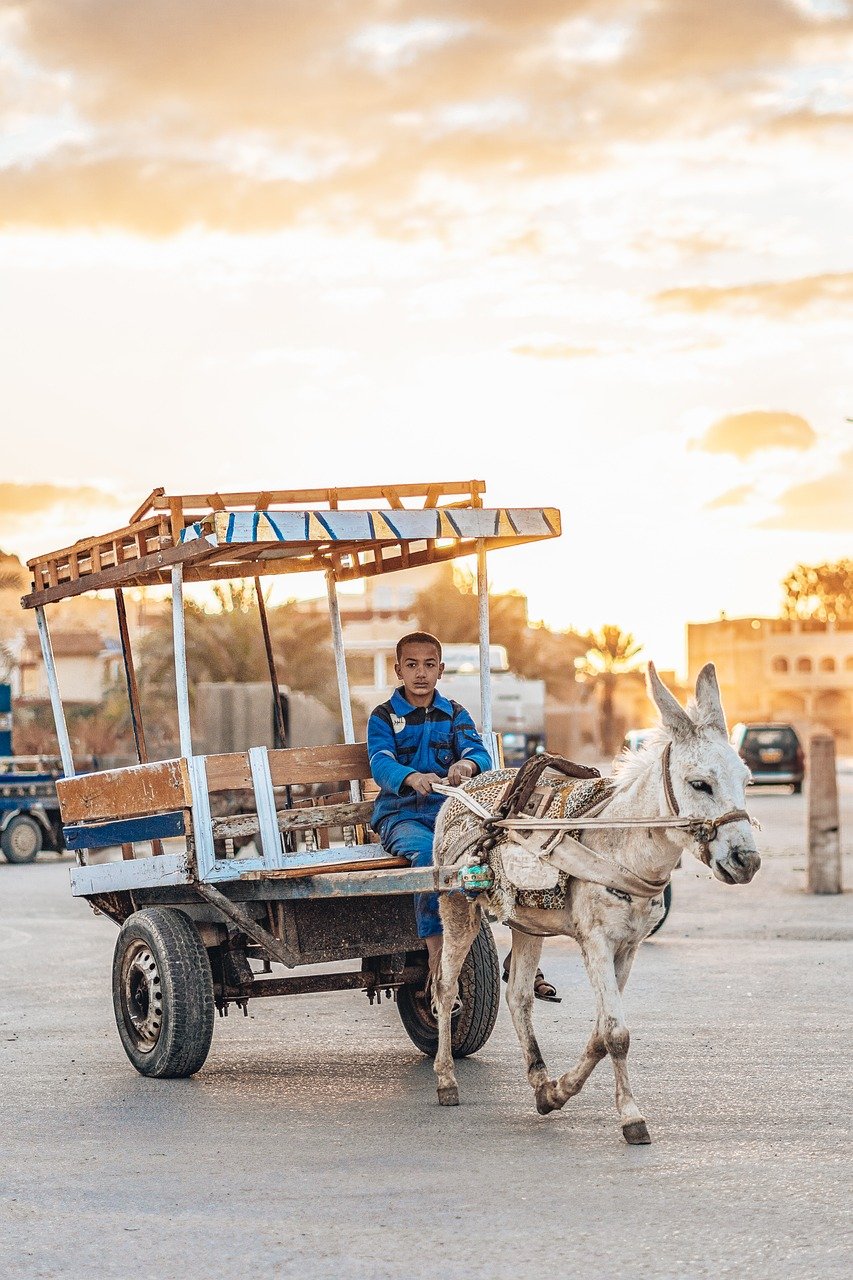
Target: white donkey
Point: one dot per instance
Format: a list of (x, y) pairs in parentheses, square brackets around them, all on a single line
[(687, 768)]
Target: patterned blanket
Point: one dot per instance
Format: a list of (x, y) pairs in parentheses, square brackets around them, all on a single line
[(521, 878)]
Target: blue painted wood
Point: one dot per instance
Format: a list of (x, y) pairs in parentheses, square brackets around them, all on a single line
[(100, 835), (397, 525)]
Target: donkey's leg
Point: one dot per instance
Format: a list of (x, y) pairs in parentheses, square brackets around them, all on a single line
[(633, 1125), (461, 921), (611, 1030), (599, 961), (526, 950)]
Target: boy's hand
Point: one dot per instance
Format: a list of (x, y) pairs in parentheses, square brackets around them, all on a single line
[(460, 772), (422, 782)]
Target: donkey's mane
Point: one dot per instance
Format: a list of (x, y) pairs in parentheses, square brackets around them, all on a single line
[(633, 764)]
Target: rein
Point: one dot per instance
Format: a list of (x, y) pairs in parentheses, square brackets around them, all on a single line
[(507, 818)]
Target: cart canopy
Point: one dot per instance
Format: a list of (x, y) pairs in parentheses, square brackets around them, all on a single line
[(352, 533)]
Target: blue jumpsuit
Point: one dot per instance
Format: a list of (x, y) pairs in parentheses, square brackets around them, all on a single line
[(402, 739)]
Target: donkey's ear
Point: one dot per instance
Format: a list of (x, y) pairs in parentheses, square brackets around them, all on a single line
[(708, 702), (675, 719)]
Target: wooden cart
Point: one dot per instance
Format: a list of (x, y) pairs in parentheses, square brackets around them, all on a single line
[(199, 929)]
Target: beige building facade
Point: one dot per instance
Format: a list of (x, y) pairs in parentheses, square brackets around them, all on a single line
[(795, 670)]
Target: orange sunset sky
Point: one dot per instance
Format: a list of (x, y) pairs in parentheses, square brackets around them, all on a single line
[(596, 253)]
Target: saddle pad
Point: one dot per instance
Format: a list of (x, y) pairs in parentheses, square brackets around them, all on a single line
[(521, 877)]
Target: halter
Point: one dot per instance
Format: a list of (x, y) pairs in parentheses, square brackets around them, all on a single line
[(703, 830)]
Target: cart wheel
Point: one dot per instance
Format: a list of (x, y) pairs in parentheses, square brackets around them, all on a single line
[(163, 993), (667, 903), (479, 991), (22, 839)]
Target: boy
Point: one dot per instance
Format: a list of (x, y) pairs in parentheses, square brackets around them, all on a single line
[(415, 739)]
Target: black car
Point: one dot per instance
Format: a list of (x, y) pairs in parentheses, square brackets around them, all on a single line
[(772, 752)]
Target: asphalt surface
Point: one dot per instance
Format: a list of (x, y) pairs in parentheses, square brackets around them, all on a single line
[(311, 1144)]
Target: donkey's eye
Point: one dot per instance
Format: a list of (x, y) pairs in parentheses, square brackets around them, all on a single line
[(697, 785)]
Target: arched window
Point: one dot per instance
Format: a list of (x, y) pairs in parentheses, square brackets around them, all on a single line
[(779, 664), (827, 664), (804, 664)]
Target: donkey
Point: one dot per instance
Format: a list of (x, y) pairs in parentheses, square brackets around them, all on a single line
[(688, 766)]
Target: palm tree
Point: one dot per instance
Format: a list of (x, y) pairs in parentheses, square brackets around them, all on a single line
[(610, 652)]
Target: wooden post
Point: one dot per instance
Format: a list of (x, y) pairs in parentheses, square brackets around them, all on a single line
[(56, 707), (278, 714), (135, 708), (824, 852), (341, 671), (485, 654), (181, 677), (55, 696)]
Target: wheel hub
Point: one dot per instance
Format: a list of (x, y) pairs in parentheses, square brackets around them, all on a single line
[(142, 998), (23, 840)]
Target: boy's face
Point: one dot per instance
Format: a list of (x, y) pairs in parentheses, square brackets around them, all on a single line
[(419, 669)]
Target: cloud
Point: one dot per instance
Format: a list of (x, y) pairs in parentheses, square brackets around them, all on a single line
[(772, 297), (822, 505), (553, 351), (18, 501), (249, 116), (736, 497), (744, 434)]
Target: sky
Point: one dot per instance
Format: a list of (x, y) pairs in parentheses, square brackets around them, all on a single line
[(596, 253)]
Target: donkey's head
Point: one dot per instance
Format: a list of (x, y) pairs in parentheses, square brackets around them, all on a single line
[(708, 777)]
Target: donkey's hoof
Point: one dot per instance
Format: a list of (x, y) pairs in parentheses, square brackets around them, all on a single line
[(636, 1133), (545, 1103), (448, 1095)]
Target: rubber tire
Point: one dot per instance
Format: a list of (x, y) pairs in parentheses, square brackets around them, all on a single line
[(667, 903), (21, 820), (187, 993), (479, 990), (796, 788)]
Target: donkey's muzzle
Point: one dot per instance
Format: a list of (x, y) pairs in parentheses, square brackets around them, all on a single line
[(738, 866)]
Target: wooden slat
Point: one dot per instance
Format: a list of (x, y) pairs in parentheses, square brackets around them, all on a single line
[(325, 868), (118, 575), (303, 765), (85, 544), (198, 501), (125, 793), (229, 772), (103, 835), (303, 819), (291, 767)]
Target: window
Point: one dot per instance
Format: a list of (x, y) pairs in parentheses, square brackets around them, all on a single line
[(804, 664), (827, 664), (848, 663), (779, 664)]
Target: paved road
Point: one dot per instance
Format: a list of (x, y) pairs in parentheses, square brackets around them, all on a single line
[(311, 1146)]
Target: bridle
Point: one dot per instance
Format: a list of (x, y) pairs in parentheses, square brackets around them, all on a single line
[(703, 830)]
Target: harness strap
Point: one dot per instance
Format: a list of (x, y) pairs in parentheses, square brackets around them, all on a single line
[(667, 781), (523, 785)]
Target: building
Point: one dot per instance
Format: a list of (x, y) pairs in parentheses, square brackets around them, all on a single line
[(789, 669), (87, 665)]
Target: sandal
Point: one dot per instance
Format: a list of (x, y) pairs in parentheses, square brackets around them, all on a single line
[(542, 988)]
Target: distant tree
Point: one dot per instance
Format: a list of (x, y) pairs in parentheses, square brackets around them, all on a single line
[(449, 609), (611, 651), (226, 644), (821, 591)]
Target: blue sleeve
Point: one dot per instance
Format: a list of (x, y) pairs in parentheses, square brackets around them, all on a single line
[(468, 743), (385, 768)]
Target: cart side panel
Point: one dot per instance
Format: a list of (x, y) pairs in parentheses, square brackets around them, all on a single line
[(137, 791)]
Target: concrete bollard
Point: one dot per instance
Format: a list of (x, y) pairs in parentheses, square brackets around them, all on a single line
[(824, 852)]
